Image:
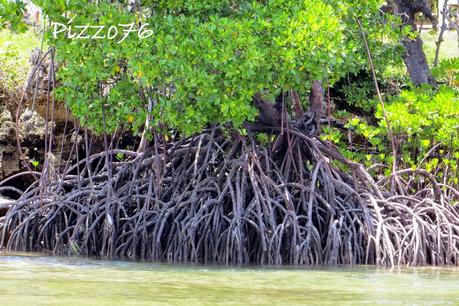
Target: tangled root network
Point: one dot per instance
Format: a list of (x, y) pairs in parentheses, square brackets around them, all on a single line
[(218, 199)]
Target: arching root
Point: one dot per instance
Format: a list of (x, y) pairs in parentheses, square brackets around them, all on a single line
[(217, 199)]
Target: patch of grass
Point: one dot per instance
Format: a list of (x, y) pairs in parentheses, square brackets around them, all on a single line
[(448, 48), (15, 50)]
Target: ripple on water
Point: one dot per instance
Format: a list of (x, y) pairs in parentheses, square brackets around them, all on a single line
[(39, 280)]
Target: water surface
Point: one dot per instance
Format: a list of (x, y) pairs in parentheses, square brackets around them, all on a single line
[(37, 280)]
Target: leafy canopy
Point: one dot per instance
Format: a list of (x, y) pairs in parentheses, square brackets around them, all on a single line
[(11, 14), (206, 59)]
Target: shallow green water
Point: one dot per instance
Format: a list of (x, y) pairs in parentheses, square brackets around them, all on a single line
[(36, 280)]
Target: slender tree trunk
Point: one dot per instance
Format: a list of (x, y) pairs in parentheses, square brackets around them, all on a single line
[(443, 28), (144, 140), (454, 25), (414, 57)]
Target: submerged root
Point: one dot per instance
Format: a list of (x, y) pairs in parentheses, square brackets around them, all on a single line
[(211, 199)]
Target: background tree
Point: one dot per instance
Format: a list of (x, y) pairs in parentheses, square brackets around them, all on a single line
[(414, 57)]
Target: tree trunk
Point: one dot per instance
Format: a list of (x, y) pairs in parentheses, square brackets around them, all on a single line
[(414, 57), (270, 114)]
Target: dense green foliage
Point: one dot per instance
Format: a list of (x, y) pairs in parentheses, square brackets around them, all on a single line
[(11, 15), (206, 60), (448, 72), (425, 124)]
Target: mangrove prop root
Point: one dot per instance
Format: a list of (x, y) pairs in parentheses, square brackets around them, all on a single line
[(209, 199)]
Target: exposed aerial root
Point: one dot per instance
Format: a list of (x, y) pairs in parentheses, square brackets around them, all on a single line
[(219, 199)]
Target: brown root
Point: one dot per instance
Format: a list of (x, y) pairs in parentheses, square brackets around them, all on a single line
[(211, 199)]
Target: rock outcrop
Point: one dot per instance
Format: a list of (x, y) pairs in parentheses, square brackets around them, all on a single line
[(31, 136)]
